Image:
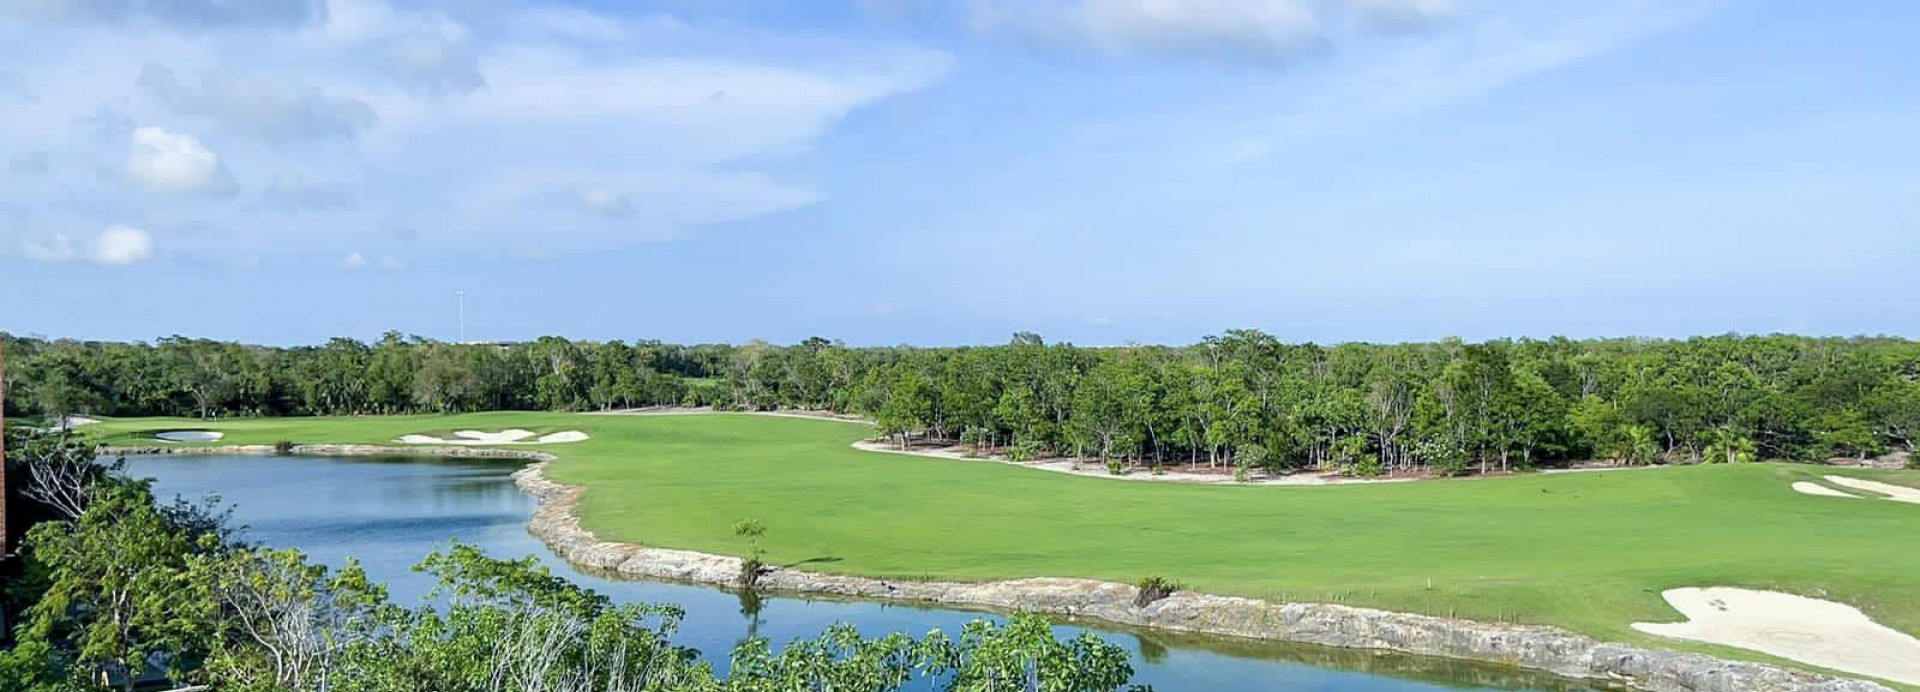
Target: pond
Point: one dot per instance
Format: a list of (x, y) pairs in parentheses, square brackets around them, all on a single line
[(391, 513)]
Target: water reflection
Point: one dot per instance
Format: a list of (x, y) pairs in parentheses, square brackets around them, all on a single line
[(391, 513)]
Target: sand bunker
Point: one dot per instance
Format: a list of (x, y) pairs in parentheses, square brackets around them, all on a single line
[(1897, 493), (1811, 631), (504, 437), (189, 436), (1811, 488)]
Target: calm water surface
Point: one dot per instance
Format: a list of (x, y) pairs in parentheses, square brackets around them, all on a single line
[(389, 514)]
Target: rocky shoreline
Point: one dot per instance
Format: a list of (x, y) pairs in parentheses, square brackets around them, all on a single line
[(1544, 649)]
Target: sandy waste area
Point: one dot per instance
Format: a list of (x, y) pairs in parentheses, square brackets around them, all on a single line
[(1809, 630)]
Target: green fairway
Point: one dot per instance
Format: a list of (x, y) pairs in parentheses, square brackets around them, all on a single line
[(1587, 551)]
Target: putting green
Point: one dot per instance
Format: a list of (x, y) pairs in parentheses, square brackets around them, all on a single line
[(1587, 551)]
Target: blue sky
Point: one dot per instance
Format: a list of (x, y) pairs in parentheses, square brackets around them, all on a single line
[(942, 172)]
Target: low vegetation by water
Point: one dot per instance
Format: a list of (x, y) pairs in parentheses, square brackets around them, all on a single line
[(124, 593), (1589, 551)]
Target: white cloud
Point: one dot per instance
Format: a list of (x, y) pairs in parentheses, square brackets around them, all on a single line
[(115, 247), (605, 202), (260, 108), (120, 246), (56, 250), (1259, 30), (397, 130), (353, 260), (164, 161)]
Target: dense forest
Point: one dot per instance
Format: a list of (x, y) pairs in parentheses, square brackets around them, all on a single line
[(1243, 399)]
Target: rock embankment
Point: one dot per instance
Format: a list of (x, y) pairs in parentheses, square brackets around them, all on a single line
[(1545, 649)]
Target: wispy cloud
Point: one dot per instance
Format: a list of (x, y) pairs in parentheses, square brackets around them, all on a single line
[(456, 121), (260, 108), (1482, 48)]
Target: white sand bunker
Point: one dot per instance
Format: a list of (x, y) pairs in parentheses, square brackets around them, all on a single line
[(1811, 631), (1897, 493), (189, 436), (1812, 488), (504, 437)]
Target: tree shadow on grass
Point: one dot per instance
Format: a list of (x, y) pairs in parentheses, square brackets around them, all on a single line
[(825, 559)]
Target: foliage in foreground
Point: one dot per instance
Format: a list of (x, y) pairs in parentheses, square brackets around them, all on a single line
[(130, 585)]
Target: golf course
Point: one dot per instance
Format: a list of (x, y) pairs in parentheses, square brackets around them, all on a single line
[(1591, 551)]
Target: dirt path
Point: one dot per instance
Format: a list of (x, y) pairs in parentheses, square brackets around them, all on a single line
[(1094, 470)]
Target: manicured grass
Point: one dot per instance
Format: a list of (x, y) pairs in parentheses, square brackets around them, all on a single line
[(1586, 551)]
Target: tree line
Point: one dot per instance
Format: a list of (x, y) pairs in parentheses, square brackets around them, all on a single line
[(122, 592), (1242, 399)]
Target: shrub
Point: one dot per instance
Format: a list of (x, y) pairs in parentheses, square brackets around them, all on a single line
[(1240, 474), (754, 562), (1026, 450), (283, 448), (750, 569), (1367, 468), (1116, 467), (1151, 589), (1913, 462), (1448, 465), (976, 438)]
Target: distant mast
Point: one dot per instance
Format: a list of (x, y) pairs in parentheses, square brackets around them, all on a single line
[(462, 296)]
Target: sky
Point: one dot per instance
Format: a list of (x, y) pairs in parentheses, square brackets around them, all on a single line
[(953, 171)]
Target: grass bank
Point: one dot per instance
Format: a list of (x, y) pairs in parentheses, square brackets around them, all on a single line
[(1587, 551)]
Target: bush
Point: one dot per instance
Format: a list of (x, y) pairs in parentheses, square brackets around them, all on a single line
[(976, 438), (1026, 450), (1449, 466), (1240, 474), (1151, 589), (750, 569), (283, 448), (1913, 462), (754, 563), (1368, 468), (1116, 467)]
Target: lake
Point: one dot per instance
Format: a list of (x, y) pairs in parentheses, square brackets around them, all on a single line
[(391, 513)]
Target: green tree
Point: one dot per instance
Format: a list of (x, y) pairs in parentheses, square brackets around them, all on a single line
[(119, 587)]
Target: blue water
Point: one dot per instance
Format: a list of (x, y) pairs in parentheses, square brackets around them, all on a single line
[(389, 514)]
